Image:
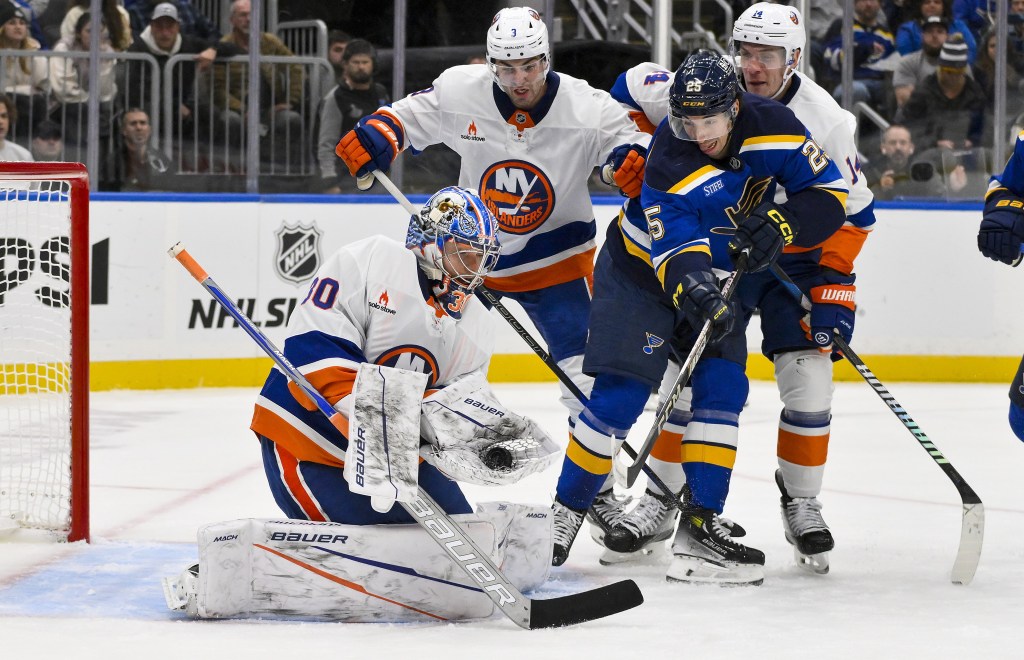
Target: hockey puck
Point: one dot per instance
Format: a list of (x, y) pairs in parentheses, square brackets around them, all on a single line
[(498, 458)]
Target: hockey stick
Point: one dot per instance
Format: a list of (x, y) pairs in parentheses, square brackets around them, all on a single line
[(972, 527), (685, 371), (538, 350), (524, 612)]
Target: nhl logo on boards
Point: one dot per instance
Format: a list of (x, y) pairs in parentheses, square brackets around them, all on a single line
[(298, 252)]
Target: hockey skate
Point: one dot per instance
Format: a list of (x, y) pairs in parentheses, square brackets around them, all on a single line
[(567, 523), (705, 553), (642, 531), (180, 592), (805, 530), (605, 513)]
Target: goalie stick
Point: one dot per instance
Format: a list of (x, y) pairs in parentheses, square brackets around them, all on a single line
[(538, 350), (972, 526), (525, 612)]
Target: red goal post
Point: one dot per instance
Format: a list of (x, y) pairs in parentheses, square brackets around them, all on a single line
[(44, 348)]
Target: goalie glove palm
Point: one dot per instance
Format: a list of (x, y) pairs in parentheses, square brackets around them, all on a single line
[(700, 299), (763, 235)]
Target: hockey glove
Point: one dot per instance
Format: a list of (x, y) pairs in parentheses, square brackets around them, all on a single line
[(1001, 234), (700, 299), (625, 169), (762, 236), (832, 308), (371, 145)]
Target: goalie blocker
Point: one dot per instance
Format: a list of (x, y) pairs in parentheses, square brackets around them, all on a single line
[(357, 573)]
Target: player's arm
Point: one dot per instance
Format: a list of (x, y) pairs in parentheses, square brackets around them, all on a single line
[(842, 248), (1002, 224), (681, 256), (414, 121), (623, 149), (643, 92)]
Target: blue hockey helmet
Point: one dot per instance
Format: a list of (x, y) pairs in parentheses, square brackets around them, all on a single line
[(455, 238), (704, 86)]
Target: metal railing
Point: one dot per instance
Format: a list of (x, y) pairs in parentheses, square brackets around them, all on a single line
[(306, 38)]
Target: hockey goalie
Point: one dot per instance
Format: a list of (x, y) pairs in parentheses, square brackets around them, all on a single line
[(393, 337)]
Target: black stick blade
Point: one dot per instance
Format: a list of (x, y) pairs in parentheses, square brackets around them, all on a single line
[(586, 606)]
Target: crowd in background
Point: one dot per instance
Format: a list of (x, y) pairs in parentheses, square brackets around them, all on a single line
[(926, 67)]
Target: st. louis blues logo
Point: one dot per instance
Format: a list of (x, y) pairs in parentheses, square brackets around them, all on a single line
[(298, 252), (653, 342)]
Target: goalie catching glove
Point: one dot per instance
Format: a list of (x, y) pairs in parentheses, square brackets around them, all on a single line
[(763, 235), (472, 437), (371, 145), (832, 308), (625, 169)]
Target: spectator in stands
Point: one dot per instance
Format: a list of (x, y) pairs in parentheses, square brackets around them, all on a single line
[(337, 40), (25, 78), (912, 69), (47, 142), (355, 96), (192, 21), (1016, 21), (946, 110), (280, 99), (978, 15), (135, 166), (70, 84), (872, 43), (28, 7), (117, 24), (909, 38), (892, 175), (163, 38), (985, 74), (9, 151)]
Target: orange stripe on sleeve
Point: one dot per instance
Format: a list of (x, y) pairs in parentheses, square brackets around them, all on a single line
[(333, 383), (283, 434), (642, 122), (840, 250), (806, 450)]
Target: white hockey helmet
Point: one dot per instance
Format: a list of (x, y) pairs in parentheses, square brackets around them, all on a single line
[(770, 24), (517, 33)]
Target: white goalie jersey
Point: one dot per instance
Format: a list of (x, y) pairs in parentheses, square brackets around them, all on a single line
[(530, 167), (368, 303)]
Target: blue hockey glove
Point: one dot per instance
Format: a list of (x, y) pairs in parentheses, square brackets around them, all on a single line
[(700, 299), (371, 145), (625, 169), (1001, 234), (832, 308)]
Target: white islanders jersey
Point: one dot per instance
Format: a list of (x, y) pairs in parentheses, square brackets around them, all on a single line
[(367, 303), (531, 168)]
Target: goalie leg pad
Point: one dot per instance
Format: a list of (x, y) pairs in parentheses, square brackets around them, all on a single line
[(329, 571), (384, 437), (805, 386)]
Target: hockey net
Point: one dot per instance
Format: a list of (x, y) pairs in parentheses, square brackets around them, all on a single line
[(44, 354)]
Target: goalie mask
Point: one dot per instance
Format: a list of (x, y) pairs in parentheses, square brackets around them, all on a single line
[(455, 239)]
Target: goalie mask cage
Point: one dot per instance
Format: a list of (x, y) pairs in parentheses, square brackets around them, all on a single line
[(44, 348)]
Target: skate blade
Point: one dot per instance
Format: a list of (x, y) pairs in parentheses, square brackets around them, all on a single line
[(650, 553), (696, 570), (816, 564)]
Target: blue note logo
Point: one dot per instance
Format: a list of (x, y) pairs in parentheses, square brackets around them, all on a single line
[(653, 342)]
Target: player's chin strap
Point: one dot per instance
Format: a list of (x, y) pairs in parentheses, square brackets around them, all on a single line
[(525, 612), (972, 529), (538, 350)]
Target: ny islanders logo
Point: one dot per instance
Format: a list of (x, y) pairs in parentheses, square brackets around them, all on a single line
[(519, 195), (411, 358)]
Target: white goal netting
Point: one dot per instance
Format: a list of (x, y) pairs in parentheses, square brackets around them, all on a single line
[(35, 355)]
